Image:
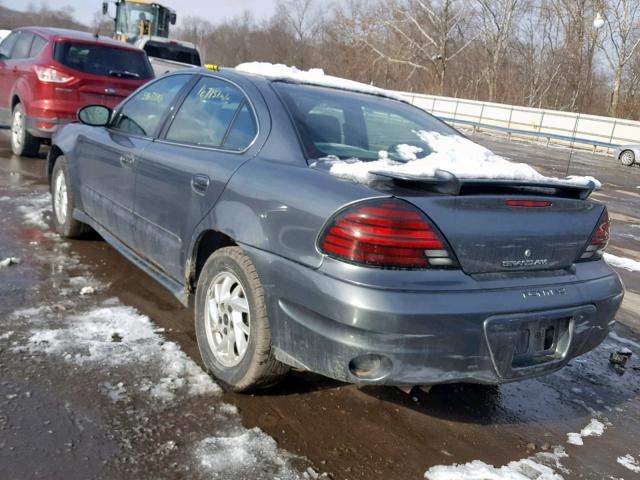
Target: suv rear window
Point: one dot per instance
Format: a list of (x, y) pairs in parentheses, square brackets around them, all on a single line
[(172, 51), (103, 60)]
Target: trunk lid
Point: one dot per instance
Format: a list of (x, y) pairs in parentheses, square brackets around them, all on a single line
[(489, 236)]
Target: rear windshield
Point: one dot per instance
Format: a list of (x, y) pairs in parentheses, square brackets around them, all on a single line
[(174, 52), (103, 60), (346, 124)]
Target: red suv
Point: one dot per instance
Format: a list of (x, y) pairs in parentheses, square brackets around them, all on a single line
[(47, 74)]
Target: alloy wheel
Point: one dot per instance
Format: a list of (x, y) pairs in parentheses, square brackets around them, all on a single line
[(17, 130), (227, 319), (60, 198)]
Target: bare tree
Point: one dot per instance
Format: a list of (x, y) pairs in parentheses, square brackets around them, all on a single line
[(621, 41), (302, 19), (429, 35), (497, 19)]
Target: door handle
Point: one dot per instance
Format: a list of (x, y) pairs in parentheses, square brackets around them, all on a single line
[(127, 160), (200, 184)]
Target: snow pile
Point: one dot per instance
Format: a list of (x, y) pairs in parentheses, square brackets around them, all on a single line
[(595, 428), (120, 336), (247, 454), (629, 462), (313, 76), (624, 340), (622, 262), (452, 153), (9, 261)]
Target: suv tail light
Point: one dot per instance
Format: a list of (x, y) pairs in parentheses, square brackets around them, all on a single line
[(51, 75), (598, 241), (386, 233)]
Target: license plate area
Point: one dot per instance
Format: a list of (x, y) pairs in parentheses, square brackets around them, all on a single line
[(537, 341)]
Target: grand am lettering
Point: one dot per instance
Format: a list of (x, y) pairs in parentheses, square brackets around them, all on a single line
[(544, 292), (525, 263)]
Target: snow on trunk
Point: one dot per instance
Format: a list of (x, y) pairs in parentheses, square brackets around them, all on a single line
[(453, 153)]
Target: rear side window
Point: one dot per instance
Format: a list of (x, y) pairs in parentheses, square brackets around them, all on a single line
[(103, 60), (37, 46), (215, 114), (173, 52), (23, 46), (7, 45), (143, 113)]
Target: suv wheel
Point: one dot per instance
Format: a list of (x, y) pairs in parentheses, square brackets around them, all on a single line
[(22, 142), (63, 202), (627, 158), (232, 326)]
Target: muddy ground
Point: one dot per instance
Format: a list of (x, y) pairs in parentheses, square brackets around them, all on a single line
[(65, 416)]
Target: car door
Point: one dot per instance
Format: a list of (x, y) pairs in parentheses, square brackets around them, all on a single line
[(107, 156), (7, 77), (181, 175)]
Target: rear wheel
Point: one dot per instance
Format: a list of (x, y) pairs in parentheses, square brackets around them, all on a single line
[(22, 142), (627, 158), (63, 202), (232, 326)]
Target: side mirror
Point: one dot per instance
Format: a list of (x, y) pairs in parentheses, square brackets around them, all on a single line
[(172, 18), (95, 115), (105, 8)]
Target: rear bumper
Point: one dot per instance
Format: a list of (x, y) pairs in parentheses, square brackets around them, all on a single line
[(430, 336), (45, 127)]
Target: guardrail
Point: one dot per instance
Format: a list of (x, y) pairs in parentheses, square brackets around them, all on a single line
[(565, 128)]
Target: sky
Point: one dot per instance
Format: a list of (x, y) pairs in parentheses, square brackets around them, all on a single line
[(211, 10)]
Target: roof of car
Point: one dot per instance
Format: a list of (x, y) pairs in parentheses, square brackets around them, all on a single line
[(69, 34)]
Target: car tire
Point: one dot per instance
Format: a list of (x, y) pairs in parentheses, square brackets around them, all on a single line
[(627, 158), (230, 307), (22, 142), (63, 202)]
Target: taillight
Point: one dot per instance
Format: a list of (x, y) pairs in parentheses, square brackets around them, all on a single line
[(598, 241), (51, 75), (386, 233)]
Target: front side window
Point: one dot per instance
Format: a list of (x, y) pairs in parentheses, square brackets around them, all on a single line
[(344, 124), (143, 113), (215, 114), (103, 60)]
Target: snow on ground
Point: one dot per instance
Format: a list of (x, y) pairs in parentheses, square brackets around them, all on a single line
[(452, 153), (9, 261), (595, 428), (120, 336), (129, 361), (629, 462), (622, 262), (313, 76), (33, 209), (532, 468)]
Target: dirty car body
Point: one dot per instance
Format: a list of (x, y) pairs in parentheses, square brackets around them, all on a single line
[(508, 294)]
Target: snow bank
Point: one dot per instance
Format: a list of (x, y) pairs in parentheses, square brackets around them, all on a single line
[(120, 336), (629, 462), (453, 153), (622, 262), (313, 76), (9, 261), (595, 428)]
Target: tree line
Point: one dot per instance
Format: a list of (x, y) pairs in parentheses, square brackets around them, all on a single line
[(573, 55)]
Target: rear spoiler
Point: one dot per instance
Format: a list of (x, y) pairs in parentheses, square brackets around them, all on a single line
[(446, 182)]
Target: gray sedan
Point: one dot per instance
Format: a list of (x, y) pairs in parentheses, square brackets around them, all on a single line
[(627, 154), (220, 186)]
